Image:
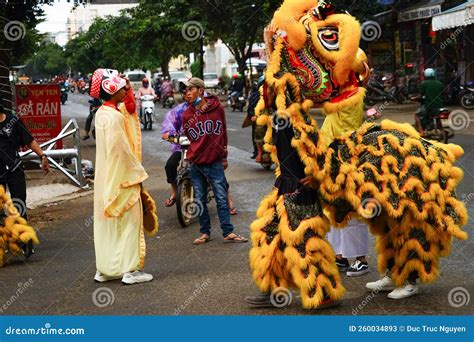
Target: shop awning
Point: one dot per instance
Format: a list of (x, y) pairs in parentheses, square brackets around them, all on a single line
[(462, 15), (426, 9)]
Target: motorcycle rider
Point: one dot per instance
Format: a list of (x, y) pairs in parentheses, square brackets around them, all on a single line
[(431, 94), (254, 97), (157, 87), (94, 104), (172, 126), (166, 89), (145, 89), (236, 88)]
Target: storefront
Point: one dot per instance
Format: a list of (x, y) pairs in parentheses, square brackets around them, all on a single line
[(416, 40), (454, 36)]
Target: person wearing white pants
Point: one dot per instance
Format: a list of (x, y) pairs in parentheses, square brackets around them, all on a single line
[(351, 242)]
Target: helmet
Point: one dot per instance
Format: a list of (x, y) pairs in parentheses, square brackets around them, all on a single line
[(145, 81), (430, 73), (235, 76)]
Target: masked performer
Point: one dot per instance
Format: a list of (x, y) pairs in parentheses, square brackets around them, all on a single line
[(384, 174), (122, 209)]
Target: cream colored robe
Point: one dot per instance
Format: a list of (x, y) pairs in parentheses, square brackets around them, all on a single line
[(118, 231)]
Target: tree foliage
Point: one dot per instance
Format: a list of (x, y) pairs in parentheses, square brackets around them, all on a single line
[(47, 61)]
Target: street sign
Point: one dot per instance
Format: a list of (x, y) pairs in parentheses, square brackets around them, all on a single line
[(39, 107)]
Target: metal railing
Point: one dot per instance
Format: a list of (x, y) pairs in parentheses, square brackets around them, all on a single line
[(75, 175)]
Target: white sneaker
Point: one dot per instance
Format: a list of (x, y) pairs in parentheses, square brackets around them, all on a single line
[(384, 284), (136, 277), (102, 278), (404, 291)]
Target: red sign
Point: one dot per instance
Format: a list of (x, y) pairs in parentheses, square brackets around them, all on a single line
[(39, 107)]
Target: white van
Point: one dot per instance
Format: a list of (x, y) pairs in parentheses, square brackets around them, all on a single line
[(135, 78)]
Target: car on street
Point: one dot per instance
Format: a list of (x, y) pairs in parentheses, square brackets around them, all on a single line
[(211, 80), (135, 78), (176, 77)]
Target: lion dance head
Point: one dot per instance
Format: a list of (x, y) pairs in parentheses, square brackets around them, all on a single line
[(314, 54)]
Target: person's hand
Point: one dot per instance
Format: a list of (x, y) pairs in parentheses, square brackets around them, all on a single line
[(45, 166), (253, 118), (225, 164), (165, 136)]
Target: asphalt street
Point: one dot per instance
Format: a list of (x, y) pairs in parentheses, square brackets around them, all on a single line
[(211, 279)]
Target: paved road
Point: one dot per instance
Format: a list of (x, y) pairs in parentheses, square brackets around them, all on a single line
[(209, 279)]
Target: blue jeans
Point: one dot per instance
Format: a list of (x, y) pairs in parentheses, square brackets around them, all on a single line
[(214, 174)]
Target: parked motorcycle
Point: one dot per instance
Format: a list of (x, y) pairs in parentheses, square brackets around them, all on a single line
[(186, 207), (385, 89), (467, 97), (146, 114)]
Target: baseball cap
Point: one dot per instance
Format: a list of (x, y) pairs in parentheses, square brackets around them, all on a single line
[(194, 82)]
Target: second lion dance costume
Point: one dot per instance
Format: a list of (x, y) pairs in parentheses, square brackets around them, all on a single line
[(384, 174)]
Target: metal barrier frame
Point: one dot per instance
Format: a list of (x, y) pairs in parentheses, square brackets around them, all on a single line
[(75, 175)]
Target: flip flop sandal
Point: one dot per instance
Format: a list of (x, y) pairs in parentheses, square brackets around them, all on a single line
[(170, 202), (236, 239), (201, 240)]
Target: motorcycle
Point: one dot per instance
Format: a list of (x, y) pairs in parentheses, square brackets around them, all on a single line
[(467, 97), (146, 114), (237, 103), (437, 128), (64, 90), (186, 208), (167, 100), (84, 89)]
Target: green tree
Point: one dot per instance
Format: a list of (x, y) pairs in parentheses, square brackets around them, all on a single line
[(47, 61), (239, 24)]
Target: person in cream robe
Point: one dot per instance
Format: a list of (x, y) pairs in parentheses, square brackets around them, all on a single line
[(119, 198)]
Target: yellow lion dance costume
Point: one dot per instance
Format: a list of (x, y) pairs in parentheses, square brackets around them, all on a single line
[(385, 174), (15, 230)]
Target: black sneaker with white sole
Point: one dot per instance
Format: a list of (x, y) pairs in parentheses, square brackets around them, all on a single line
[(342, 264), (358, 268)]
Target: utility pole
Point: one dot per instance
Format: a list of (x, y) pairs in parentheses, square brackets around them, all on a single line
[(201, 52)]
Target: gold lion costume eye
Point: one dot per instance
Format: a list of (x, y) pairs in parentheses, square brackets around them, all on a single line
[(329, 38)]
